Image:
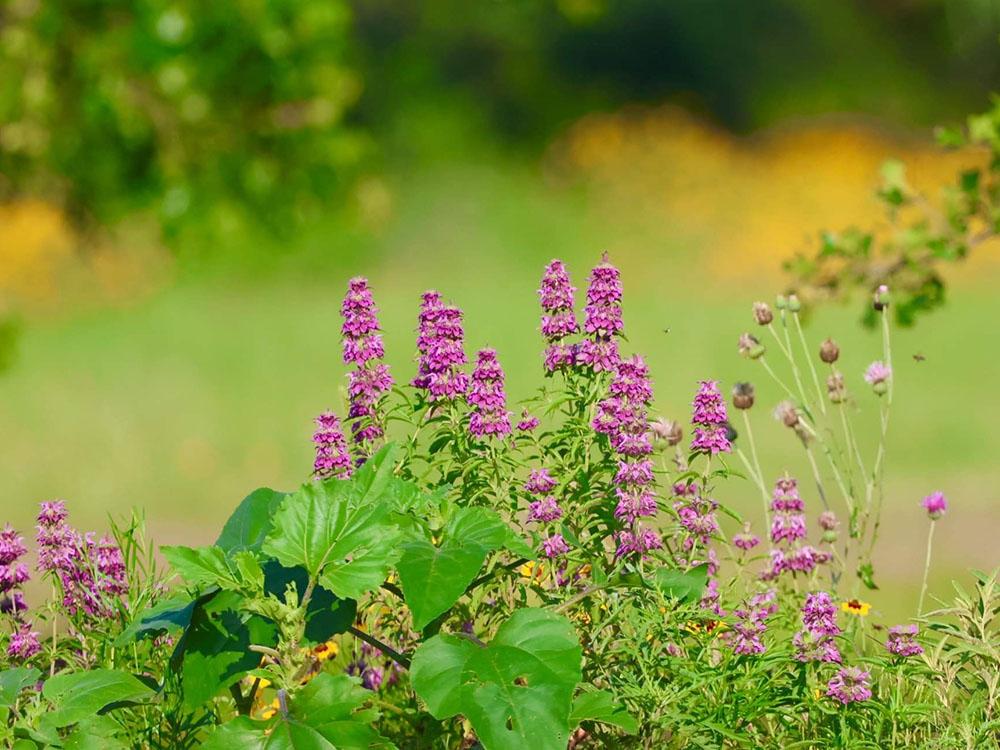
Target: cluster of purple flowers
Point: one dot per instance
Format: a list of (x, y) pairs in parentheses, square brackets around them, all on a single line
[(363, 347), (710, 420), (545, 509), (696, 514), (442, 353), (374, 670), (528, 422), (14, 574), (745, 540), (332, 457), (816, 641), (902, 641), (91, 572), (788, 528), (602, 319), (558, 317), (751, 623), (849, 685), (487, 397), (622, 416)]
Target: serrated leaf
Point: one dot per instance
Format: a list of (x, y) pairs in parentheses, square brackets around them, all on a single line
[(203, 567), (600, 706), (250, 523), (517, 692), (80, 695), (169, 615), (13, 681), (340, 535)]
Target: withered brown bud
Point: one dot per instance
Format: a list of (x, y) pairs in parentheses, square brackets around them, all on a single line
[(829, 352), (667, 429), (750, 346), (835, 388), (743, 394), (762, 313), (787, 413)]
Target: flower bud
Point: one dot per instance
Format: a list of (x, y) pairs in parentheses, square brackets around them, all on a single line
[(878, 375), (793, 303), (787, 413), (830, 536), (880, 300), (780, 302), (835, 388), (829, 352), (762, 313), (828, 520), (743, 395), (750, 346)]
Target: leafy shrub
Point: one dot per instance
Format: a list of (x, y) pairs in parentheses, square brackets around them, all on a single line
[(560, 578)]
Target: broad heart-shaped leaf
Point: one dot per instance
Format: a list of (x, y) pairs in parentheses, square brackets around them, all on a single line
[(214, 651), (600, 706), (13, 681), (81, 695), (250, 523), (517, 692), (322, 715), (343, 536), (434, 577), (210, 566), (97, 733), (326, 614)]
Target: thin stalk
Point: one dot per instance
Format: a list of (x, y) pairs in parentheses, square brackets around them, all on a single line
[(791, 362), (776, 379), (387, 650), (927, 569), (812, 367)]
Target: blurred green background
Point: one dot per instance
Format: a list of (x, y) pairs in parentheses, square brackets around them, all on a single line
[(186, 187)]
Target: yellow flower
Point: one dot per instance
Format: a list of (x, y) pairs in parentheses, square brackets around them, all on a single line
[(325, 651), (856, 607), (531, 569), (710, 626), (271, 710)]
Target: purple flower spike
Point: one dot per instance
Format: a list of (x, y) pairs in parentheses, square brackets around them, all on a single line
[(556, 295), (850, 685), (540, 482), (602, 319), (13, 574), (332, 458), (545, 510), (487, 397), (935, 504), (528, 422), (709, 418), (554, 546), (751, 623), (902, 641), (815, 642), (370, 380), (442, 353), (23, 643)]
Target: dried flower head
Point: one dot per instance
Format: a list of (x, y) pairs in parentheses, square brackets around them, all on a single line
[(667, 429), (787, 413), (750, 346), (835, 388), (743, 395), (829, 352), (762, 313)]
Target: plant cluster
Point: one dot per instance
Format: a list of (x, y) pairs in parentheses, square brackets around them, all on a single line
[(457, 575)]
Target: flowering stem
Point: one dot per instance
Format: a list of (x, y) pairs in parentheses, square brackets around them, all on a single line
[(927, 568), (816, 476), (812, 367), (774, 377), (791, 362), (756, 464)]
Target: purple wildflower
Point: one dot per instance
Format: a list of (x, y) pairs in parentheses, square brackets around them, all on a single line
[(13, 574), (935, 504), (487, 397), (442, 354), (370, 379), (828, 520), (540, 482), (751, 623), (332, 458), (788, 528), (696, 514), (527, 422), (558, 318), (23, 643), (709, 418), (711, 598), (545, 510), (902, 641), (554, 546), (602, 319), (637, 542), (878, 375), (746, 540), (815, 642), (850, 685)]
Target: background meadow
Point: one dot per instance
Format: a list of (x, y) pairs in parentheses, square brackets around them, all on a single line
[(175, 368)]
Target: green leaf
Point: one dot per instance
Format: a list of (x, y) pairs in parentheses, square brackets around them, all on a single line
[(485, 527), (324, 714), (80, 695), (517, 692), (600, 706), (250, 523), (13, 681), (338, 533), (166, 616), (97, 733), (687, 586), (209, 566), (433, 578), (214, 651)]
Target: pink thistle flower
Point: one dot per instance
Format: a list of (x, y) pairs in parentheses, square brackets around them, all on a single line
[(878, 375), (850, 685), (935, 504)]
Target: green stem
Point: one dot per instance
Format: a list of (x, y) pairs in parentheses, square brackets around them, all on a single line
[(927, 569), (812, 366)]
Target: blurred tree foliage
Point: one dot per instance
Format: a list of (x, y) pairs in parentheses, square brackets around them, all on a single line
[(234, 113), (226, 109)]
